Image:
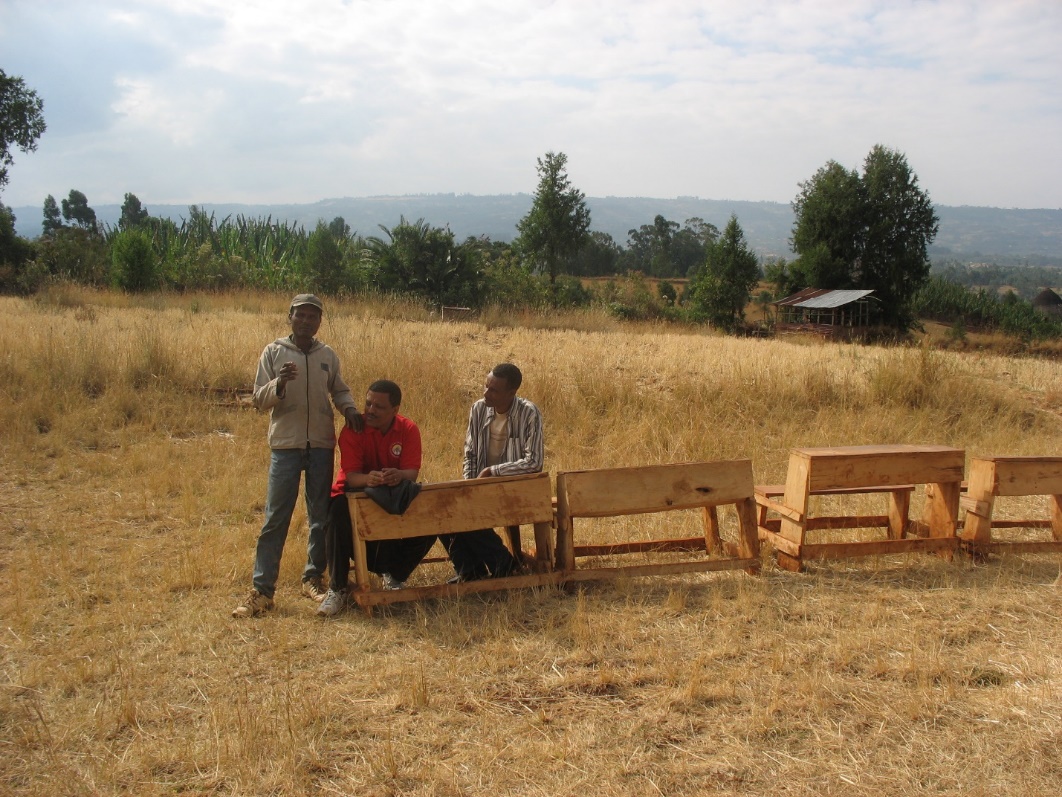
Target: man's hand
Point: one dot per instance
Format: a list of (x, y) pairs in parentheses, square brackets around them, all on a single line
[(288, 371), (391, 476), (354, 419), (485, 473), (388, 477)]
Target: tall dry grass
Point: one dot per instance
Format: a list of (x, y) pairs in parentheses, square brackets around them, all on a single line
[(133, 488)]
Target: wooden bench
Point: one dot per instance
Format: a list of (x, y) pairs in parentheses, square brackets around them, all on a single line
[(850, 470), (446, 507), (1011, 476), (613, 492)]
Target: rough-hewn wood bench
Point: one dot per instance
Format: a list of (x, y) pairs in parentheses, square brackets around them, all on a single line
[(1011, 476), (446, 507), (613, 492), (859, 469)]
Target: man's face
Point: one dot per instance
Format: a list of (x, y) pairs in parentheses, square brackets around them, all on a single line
[(305, 320), (379, 412), (497, 393)]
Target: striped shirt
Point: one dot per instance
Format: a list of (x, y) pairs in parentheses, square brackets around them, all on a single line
[(523, 449)]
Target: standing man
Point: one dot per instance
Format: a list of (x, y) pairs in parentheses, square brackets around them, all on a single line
[(296, 377), (504, 438), (384, 460)]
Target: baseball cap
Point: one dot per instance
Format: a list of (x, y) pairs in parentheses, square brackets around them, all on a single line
[(307, 298)]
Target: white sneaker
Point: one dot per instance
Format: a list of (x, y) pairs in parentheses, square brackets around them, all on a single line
[(390, 582), (334, 602)]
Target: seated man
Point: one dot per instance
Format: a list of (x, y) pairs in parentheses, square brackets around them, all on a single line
[(384, 454), (504, 438)]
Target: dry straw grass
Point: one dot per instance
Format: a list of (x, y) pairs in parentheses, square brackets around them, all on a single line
[(132, 497)]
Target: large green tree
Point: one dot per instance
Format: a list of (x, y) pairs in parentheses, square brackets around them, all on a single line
[(76, 210), (598, 256), (53, 222), (663, 249), (720, 291), (869, 230), (900, 227), (133, 213), (830, 213), (21, 120), (556, 226)]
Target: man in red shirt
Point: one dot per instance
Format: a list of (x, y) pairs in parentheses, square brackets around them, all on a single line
[(385, 453)]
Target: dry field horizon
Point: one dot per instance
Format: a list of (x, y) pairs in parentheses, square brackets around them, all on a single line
[(134, 481)]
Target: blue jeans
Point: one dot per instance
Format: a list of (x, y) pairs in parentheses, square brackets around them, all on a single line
[(285, 470)]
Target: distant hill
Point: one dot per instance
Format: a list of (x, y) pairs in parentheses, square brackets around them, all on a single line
[(965, 232)]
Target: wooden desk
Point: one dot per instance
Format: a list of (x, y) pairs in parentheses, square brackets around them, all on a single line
[(899, 500), (447, 507), (866, 469), (1009, 476)]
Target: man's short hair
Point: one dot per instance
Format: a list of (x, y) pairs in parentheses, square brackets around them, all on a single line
[(393, 391), (510, 373)]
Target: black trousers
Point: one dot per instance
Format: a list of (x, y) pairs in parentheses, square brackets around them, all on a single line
[(478, 554), (397, 557)]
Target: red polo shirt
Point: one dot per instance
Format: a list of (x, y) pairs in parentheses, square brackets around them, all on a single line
[(369, 450)]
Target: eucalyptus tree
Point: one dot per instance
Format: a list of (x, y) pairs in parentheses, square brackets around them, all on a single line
[(76, 210), (21, 120), (53, 222), (133, 213)]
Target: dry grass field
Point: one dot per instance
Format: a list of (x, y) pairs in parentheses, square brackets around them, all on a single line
[(133, 485)]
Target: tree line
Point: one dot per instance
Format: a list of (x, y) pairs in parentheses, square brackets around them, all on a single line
[(867, 229)]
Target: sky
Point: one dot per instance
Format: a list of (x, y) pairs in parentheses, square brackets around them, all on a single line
[(295, 101)]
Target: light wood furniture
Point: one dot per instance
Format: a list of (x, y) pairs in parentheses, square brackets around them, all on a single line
[(447, 507), (899, 503), (892, 469), (1011, 476), (612, 492)]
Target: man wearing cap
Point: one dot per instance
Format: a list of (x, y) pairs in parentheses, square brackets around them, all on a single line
[(296, 377)]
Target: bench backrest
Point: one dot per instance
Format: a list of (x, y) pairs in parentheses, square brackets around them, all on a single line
[(466, 505), (1026, 475), (653, 488)]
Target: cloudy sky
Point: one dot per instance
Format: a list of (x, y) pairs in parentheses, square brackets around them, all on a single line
[(292, 101)]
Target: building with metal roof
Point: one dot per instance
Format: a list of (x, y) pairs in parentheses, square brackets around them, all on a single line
[(826, 312)]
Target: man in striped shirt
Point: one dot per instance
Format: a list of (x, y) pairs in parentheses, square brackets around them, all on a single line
[(504, 438)]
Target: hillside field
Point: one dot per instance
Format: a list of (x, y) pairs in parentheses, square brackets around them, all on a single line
[(134, 477)]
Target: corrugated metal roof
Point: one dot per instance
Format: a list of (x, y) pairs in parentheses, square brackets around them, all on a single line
[(818, 298)]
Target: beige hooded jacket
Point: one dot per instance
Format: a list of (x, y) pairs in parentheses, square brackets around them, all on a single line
[(303, 417)]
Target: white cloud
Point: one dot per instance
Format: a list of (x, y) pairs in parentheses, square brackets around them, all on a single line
[(282, 101)]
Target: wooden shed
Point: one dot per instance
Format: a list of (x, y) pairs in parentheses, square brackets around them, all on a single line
[(825, 312)]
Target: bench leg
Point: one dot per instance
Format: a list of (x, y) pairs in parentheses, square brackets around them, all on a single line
[(713, 543), (513, 539), (1056, 516), (361, 570), (941, 512), (899, 507)]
